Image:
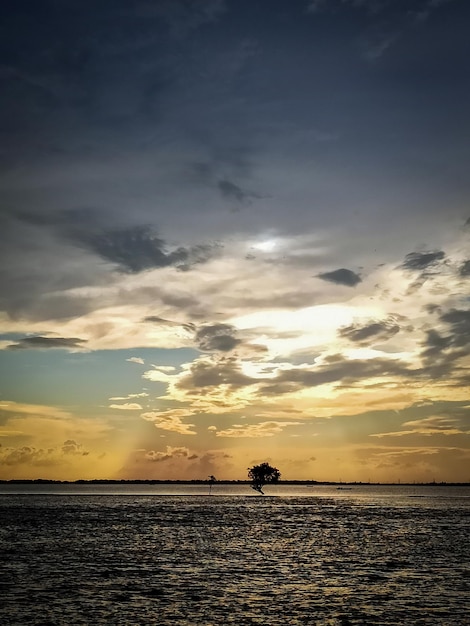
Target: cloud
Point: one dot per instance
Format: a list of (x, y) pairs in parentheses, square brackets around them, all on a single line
[(442, 351), (128, 406), (11, 433), (443, 347), (314, 6), (72, 447), (437, 423), (377, 44), (144, 394), (344, 371), (217, 337), (231, 191), (47, 343), (170, 420), (419, 261), (137, 248), (372, 332), (226, 384), (465, 268), (433, 425), (341, 276), (182, 17), (435, 344), (371, 6), (160, 373), (26, 455), (459, 322), (207, 372), (427, 7), (156, 319), (378, 34), (66, 221), (263, 429), (157, 375), (180, 302), (183, 463), (136, 359), (41, 457), (171, 453), (424, 265), (381, 24), (36, 410)]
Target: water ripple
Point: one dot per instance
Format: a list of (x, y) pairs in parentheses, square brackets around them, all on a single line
[(231, 560)]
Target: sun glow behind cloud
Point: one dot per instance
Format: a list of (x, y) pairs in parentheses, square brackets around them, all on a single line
[(268, 245), (285, 332)]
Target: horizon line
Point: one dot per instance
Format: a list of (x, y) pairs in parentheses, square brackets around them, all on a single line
[(157, 481)]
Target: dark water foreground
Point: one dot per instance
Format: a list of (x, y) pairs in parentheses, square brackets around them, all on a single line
[(141, 559)]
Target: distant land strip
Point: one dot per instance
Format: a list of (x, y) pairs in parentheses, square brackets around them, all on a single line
[(99, 481)]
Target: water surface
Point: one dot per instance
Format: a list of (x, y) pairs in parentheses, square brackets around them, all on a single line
[(143, 554)]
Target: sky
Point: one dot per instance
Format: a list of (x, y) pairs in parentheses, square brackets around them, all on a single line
[(235, 231)]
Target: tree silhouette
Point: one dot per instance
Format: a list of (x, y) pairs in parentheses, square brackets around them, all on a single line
[(263, 474)]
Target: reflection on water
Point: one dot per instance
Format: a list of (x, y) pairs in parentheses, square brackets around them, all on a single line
[(337, 559)]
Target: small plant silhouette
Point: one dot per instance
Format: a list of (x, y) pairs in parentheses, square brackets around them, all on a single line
[(211, 481), (261, 475)]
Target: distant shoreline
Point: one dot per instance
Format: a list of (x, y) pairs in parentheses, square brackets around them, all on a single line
[(41, 481)]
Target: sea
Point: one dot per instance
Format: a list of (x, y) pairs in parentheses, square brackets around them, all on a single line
[(190, 554)]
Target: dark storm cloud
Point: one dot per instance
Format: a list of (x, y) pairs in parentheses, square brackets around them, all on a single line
[(161, 321), (227, 371), (68, 221), (464, 269), (224, 371), (341, 276), (220, 169), (424, 265), (372, 332), (439, 358), (231, 191), (459, 322), (103, 106), (419, 261), (44, 343), (218, 337), (442, 352), (50, 233), (342, 371), (109, 81), (132, 248), (137, 249), (187, 301), (436, 343), (155, 319)]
